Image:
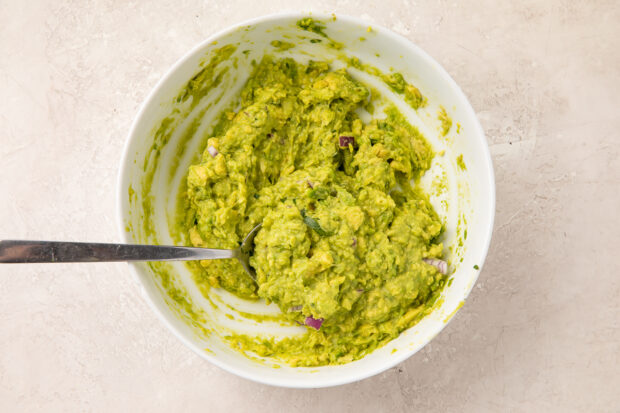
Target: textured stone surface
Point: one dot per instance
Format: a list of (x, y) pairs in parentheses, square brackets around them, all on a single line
[(541, 330)]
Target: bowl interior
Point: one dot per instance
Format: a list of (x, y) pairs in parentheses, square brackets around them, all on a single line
[(156, 160)]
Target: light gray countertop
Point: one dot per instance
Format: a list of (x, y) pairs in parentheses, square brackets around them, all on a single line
[(541, 329)]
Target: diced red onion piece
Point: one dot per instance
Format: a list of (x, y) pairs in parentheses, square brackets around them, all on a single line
[(310, 184), (345, 141), (360, 290), (354, 243), (295, 308), (212, 151), (314, 323), (441, 265)]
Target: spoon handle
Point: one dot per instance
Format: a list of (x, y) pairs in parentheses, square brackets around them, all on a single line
[(14, 251)]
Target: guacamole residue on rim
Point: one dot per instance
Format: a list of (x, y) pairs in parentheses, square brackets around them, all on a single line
[(349, 246)]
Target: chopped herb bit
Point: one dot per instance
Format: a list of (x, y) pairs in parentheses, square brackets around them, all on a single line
[(319, 193), (314, 225)]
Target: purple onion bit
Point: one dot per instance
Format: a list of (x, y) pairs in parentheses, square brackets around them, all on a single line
[(441, 265), (314, 322), (212, 151), (354, 243), (295, 308), (345, 141)]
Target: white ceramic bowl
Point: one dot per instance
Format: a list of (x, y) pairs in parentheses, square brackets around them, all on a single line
[(467, 204)]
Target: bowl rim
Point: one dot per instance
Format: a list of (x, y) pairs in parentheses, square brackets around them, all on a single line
[(478, 132)]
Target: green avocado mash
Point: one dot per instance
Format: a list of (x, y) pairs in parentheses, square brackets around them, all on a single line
[(344, 230), (446, 122)]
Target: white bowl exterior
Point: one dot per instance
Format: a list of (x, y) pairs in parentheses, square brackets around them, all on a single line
[(436, 84)]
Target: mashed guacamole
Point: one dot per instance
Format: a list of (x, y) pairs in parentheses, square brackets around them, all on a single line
[(348, 246)]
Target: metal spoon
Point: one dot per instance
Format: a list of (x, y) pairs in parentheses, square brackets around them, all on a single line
[(15, 251)]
